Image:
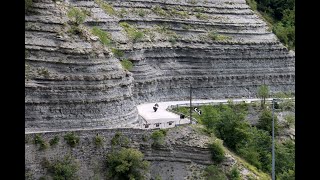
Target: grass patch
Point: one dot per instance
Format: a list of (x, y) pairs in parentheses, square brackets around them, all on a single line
[(42, 143), (159, 11), (106, 7), (217, 151), (72, 139), (120, 140), (213, 35), (54, 141), (76, 15), (117, 52), (28, 5), (104, 37), (158, 137), (43, 72), (126, 64), (133, 33), (122, 13), (98, 140), (202, 16)]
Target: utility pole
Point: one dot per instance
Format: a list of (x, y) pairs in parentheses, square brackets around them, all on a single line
[(190, 103), (273, 158)]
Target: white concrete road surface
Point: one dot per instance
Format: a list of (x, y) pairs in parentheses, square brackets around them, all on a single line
[(162, 118)]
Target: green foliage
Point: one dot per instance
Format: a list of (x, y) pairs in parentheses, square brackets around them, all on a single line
[(265, 121), (202, 16), (290, 120), (98, 140), (141, 12), (252, 4), (126, 64), (122, 12), (54, 141), (159, 11), (106, 7), (158, 177), (145, 137), (120, 140), (217, 151), (133, 33), (117, 52), (77, 15), (186, 27), (192, 1), (210, 116), (281, 15), (213, 172), (251, 155), (213, 35), (158, 137), (104, 37), (28, 5), (232, 128), (63, 169), (43, 72), (38, 140), (76, 30), (285, 159), (72, 139), (288, 175), (127, 163), (263, 93), (234, 174)]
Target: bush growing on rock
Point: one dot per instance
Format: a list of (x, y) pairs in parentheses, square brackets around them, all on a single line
[(98, 140), (77, 15), (127, 163), (104, 37), (43, 144), (213, 172), (126, 64), (234, 174), (72, 139), (63, 169), (120, 140), (158, 137), (217, 151), (54, 141)]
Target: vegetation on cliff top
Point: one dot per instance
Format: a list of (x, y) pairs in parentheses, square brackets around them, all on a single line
[(280, 15)]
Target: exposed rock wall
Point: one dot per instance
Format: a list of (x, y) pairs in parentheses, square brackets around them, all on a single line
[(92, 158), (74, 82)]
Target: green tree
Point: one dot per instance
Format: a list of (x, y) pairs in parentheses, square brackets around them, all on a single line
[(127, 163), (64, 169), (209, 117), (232, 128), (263, 93), (265, 121), (158, 137), (285, 158)]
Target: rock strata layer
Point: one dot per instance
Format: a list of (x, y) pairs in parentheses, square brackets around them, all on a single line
[(220, 47)]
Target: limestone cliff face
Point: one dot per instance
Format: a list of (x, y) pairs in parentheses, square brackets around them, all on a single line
[(221, 47)]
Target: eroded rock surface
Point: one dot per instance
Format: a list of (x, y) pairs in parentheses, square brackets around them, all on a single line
[(73, 81)]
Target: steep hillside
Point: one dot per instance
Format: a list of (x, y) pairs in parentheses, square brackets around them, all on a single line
[(220, 47)]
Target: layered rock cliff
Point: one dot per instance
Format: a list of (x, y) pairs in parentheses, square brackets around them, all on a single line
[(221, 47), (184, 154)]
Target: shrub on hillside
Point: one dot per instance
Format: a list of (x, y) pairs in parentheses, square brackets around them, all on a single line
[(217, 151), (127, 163)]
